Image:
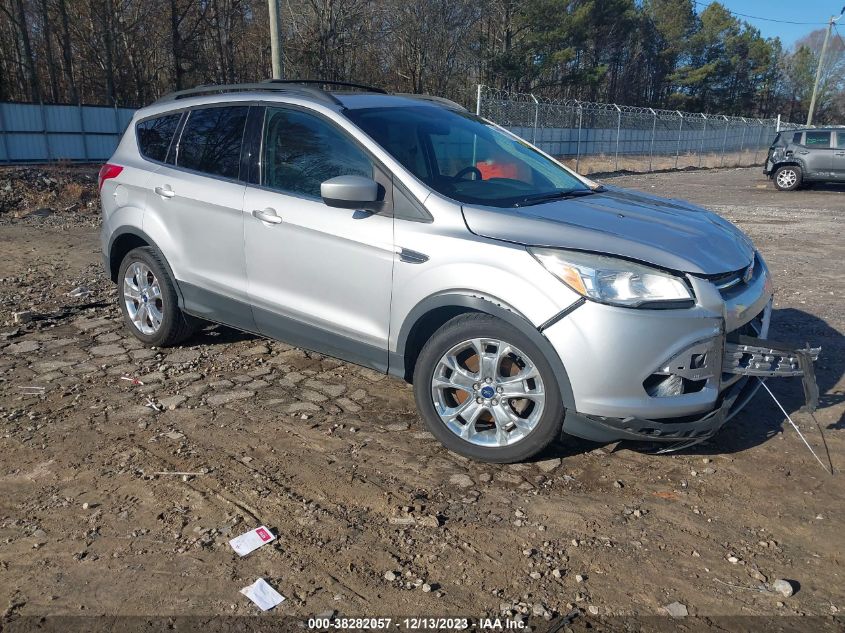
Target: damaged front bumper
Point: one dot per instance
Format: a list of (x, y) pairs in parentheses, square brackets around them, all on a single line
[(674, 376), (750, 356), (751, 359)]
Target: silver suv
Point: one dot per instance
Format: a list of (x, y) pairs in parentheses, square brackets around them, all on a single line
[(407, 235), (797, 157)]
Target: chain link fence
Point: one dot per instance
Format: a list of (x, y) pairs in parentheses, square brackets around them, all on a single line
[(605, 137)]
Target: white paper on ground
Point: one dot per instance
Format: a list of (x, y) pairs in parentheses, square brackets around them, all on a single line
[(252, 540), (263, 594)]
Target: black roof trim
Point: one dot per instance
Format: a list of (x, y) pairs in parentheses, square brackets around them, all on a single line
[(291, 88), (300, 87), (324, 82)]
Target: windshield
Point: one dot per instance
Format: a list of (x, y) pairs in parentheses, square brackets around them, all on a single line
[(464, 158)]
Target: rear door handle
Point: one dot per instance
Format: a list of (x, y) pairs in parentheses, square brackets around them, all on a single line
[(840, 153), (267, 215), (165, 191)]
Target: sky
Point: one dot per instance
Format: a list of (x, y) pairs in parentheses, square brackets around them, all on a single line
[(816, 11)]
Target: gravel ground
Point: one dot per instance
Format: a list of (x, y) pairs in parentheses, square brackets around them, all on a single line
[(373, 516)]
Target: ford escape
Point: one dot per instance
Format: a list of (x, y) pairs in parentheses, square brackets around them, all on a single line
[(402, 233)]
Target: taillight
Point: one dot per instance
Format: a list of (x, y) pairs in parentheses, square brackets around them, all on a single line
[(107, 171)]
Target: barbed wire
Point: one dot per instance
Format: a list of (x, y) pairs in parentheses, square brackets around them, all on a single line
[(497, 94), (639, 135)]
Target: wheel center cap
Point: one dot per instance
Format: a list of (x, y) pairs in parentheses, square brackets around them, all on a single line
[(488, 392)]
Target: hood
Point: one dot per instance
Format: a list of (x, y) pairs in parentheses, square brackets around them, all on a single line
[(668, 233)]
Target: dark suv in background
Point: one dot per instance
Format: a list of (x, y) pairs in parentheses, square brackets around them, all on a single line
[(800, 156)]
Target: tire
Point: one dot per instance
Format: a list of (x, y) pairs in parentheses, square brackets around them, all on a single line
[(530, 421), (788, 177), (147, 297)]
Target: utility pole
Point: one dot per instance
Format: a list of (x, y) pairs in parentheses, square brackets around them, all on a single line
[(833, 20), (275, 39)]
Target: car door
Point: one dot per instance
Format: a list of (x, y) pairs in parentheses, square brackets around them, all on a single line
[(817, 154), (839, 156), (318, 276), (198, 203)]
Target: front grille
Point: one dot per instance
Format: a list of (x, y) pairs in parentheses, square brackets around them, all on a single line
[(735, 281), (726, 281)]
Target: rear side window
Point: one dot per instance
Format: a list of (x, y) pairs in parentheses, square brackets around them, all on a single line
[(302, 150), (840, 140), (817, 139), (155, 135), (211, 141)]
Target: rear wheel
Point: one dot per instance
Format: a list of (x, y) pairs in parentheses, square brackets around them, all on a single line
[(148, 300), (788, 177), (487, 391)]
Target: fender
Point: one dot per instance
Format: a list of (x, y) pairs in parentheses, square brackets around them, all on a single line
[(488, 305), (792, 160), (132, 230)]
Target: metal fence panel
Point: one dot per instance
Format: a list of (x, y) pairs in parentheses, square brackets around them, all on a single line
[(602, 136), (609, 137), (32, 132)]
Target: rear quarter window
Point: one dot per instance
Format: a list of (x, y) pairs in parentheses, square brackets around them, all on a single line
[(211, 141), (155, 135), (817, 139)]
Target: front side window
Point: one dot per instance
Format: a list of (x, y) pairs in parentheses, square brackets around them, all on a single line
[(817, 139), (155, 135), (465, 158), (302, 150), (796, 138), (840, 140), (211, 141)]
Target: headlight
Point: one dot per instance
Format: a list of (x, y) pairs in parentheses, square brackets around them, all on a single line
[(612, 280)]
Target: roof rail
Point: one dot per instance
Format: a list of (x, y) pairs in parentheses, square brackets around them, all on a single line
[(441, 100), (269, 86), (324, 82)]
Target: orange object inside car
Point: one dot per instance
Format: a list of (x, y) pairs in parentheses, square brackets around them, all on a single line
[(491, 169)]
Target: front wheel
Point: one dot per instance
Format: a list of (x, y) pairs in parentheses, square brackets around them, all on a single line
[(486, 391), (788, 178)]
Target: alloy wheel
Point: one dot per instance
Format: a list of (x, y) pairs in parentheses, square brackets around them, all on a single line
[(787, 178), (143, 298), (488, 392)]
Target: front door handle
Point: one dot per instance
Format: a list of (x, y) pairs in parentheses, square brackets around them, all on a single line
[(840, 153), (267, 215), (165, 191)]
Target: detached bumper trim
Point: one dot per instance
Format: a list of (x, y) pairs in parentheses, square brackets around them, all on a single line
[(750, 356), (687, 430)]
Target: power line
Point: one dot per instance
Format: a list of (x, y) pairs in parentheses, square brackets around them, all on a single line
[(754, 17), (839, 35)]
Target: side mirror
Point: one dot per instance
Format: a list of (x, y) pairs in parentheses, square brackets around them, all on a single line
[(351, 192)]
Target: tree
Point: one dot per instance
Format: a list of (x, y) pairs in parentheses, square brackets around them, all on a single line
[(656, 53)]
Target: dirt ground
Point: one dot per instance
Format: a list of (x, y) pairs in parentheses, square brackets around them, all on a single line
[(334, 460)]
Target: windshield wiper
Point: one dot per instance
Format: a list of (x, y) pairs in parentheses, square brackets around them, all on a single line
[(553, 195)]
